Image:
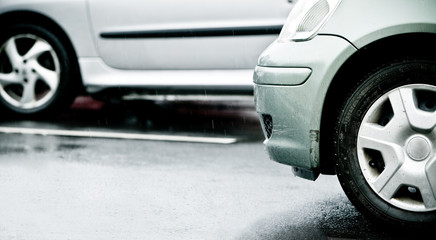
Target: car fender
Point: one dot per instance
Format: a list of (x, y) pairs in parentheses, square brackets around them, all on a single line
[(389, 18), (70, 15)]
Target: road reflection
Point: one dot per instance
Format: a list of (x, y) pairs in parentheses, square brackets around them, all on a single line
[(220, 117), (217, 118)]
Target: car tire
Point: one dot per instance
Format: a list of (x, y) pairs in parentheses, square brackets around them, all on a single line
[(385, 144), (38, 75)]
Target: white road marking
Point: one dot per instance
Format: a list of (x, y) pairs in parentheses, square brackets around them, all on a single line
[(116, 135)]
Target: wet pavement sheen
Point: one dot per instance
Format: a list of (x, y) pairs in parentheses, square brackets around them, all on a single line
[(60, 187)]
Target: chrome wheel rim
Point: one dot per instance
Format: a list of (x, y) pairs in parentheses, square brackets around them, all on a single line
[(29, 71), (397, 147)]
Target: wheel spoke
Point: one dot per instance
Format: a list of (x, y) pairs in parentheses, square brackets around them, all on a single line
[(12, 53), (430, 196), (418, 119), (427, 194), (388, 175), (9, 78), (388, 184), (28, 93), (51, 78), (37, 49), (397, 105), (372, 135), (376, 137)]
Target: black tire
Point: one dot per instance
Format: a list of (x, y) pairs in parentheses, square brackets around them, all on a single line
[(366, 169), (51, 72)]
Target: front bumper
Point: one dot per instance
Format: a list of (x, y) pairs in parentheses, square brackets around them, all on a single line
[(291, 81)]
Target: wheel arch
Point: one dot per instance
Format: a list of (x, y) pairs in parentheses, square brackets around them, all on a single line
[(22, 17), (365, 60)]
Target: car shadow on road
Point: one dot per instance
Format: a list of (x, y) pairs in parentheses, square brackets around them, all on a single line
[(333, 219)]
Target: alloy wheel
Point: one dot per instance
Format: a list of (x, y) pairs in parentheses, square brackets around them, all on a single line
[(29, 71)]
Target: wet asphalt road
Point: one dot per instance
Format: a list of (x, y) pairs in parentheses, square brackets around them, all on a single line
[(64, 187)]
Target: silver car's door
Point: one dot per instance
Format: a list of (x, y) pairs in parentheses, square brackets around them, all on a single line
[(185, 34)]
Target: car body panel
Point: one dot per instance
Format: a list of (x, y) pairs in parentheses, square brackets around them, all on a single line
[(281, 76), (295, 108)]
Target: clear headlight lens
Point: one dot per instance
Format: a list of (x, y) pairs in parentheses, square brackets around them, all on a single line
[(306, 18)]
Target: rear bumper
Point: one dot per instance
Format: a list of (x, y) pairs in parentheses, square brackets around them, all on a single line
[(291, 82)]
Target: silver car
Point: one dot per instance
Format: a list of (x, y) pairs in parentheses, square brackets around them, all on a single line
[(51, 50), (349, 88)]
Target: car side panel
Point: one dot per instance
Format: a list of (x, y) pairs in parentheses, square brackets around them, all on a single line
[(185, 52)]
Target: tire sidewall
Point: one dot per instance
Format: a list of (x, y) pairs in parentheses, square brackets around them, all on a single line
[(357, 104)]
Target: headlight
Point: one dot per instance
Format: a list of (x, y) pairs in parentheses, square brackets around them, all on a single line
[(306, 18)]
